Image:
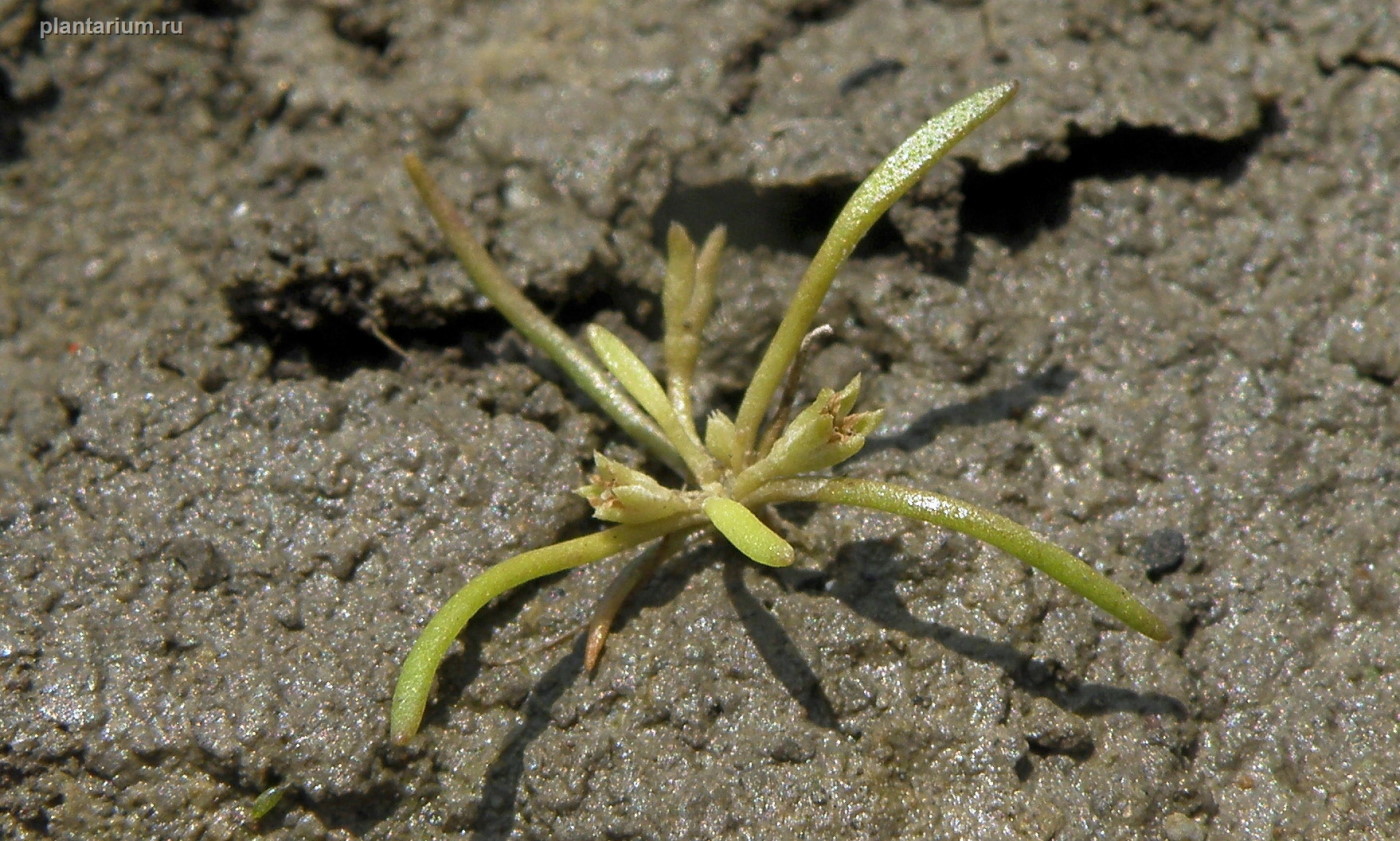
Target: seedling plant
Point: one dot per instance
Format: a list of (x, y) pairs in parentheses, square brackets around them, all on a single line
[(764, 455)]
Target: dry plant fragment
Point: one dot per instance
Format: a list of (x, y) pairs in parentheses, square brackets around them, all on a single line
[(736, 466)]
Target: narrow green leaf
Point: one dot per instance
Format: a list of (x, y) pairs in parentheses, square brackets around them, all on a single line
[(988, 527), (641, 384), (419, 668), (533, 324), (886, 183)]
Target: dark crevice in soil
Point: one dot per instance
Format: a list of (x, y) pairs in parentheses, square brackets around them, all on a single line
[(328, 324), (1369, 62), (14, 111), (365, 29), (785, 219), (324, 325), (1013, 205), (1377, 378), (333, 350), (315, 322), (1078, 750), (218, 9), (1020, 202)]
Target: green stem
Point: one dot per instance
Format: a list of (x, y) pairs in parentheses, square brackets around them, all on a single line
[(421, 665), (890, 180), (525, 317), (1007, 535)]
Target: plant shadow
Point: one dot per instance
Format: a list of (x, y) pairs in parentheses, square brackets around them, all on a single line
[(997, 405), (782, 656), (860, 580), (501, 786)]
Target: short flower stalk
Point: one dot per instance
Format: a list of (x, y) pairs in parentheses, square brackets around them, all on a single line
[(732, 471)]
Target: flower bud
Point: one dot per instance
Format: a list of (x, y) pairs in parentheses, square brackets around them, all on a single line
[(822, 435)]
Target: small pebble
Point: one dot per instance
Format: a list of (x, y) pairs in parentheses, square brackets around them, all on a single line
[(1163, 552), (1179, 827)]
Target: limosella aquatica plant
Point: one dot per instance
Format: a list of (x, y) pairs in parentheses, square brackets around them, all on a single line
[(768, 452)]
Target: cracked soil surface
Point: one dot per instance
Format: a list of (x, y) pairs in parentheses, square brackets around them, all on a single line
[(1151, 309)]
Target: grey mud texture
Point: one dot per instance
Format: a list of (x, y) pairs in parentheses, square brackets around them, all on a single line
[(1152, 309)]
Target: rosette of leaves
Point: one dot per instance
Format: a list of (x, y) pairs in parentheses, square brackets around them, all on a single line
[(731, 472)]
